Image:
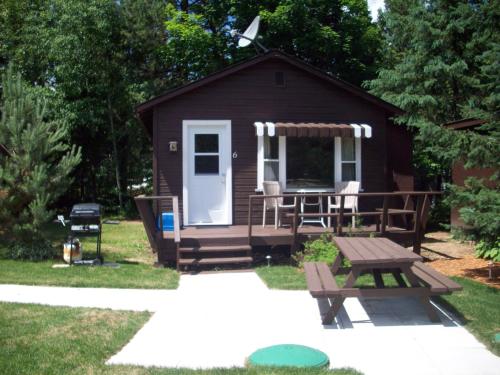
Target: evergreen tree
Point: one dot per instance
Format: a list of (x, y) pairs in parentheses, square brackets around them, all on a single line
[(442, 64), (38, 169)]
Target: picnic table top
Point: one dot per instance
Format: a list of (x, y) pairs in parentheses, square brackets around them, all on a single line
[(372, 251)]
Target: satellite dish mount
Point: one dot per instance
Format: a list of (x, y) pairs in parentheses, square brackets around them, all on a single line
[(250, 36)]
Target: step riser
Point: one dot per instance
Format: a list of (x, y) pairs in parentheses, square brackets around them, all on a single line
[(198, 242)]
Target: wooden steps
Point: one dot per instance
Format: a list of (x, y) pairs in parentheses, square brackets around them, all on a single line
[(213, 255), (214, 261), (214, 249)]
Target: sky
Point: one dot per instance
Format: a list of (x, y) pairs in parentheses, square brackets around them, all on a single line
[(374, 6)]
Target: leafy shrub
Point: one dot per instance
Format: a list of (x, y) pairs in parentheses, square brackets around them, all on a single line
[(488, 251), (321, 250), (35, 250)]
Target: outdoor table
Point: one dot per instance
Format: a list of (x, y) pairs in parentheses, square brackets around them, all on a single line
[(303, 204), (378, 256)]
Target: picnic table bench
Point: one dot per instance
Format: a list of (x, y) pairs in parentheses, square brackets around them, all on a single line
[(376, 256)]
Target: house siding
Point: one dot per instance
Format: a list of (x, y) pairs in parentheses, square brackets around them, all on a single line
[(251, 95)]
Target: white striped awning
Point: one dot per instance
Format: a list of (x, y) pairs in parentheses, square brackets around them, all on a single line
[(310, 129)]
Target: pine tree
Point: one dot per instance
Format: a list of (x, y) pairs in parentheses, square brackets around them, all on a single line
[(38, 169)]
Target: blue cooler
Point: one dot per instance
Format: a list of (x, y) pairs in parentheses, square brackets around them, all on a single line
[(168, 221)]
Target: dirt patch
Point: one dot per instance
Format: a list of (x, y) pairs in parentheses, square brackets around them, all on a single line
[(454, 258)]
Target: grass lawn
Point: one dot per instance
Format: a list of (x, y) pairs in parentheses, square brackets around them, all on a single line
[(477, 306), (39, 340), (125, 244)]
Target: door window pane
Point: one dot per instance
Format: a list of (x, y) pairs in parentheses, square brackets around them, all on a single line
[(271, 147), (271, 170), (206, 164), (348, 171), (348, 150), (206, 143), (309, 162)]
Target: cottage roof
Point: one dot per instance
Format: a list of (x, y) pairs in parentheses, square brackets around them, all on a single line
[(144, 110), (464, 124)]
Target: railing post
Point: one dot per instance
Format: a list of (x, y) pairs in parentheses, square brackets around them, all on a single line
[(177, 230), (295, 223), (250, 211), (385, 210), (341, 215), (417, 226)]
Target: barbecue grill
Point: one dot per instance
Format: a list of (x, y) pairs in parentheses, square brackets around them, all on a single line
[(86, 222)]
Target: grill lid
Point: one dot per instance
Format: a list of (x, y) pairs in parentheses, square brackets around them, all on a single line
[(86, 210)]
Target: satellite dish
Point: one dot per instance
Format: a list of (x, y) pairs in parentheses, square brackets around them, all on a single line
[(250, 35)]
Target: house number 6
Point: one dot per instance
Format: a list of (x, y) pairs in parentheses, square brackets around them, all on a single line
[(235, 155)]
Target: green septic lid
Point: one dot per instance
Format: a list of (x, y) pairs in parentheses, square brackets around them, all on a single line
[(288, 355)]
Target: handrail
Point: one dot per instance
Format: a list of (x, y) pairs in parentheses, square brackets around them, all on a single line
[(374, 194), (175, 209), (421, 210)]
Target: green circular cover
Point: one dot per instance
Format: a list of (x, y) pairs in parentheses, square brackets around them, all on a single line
[(288, 355)]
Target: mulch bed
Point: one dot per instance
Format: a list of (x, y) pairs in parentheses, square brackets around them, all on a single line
[(470, 267), (455, 258)]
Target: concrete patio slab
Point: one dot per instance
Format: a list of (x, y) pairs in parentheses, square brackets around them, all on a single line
[(218, 320)]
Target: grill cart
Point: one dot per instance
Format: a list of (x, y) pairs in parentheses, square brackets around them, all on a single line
[(86, 222)]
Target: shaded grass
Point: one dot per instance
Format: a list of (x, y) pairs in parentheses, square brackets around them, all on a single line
[(125, 244), (57, 340), (477, 306)]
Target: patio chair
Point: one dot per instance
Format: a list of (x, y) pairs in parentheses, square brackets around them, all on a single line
[(350, 202), (274, 188)]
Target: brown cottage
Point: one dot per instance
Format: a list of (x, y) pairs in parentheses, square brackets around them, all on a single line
[(272, 117)]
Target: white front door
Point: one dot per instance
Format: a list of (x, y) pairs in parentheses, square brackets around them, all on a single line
[(207, 172)]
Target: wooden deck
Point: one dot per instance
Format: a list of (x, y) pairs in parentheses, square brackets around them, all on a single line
[(211, 245), (263, 236)]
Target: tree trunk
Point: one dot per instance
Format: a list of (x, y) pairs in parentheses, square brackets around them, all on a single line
[(115, 154)]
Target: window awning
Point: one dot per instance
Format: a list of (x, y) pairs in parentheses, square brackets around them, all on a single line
[(313, 129)]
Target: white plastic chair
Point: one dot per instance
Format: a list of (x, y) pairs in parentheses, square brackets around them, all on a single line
[(350, 202), (274, 188)]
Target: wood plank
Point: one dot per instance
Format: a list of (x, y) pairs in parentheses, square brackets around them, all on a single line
[(326, 277), (211, 261), (404, 253), (312, 279), (214, 249), (350, 252), (442, 279)]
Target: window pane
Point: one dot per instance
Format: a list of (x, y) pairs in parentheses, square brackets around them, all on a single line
[(309, 162), (271, 147), (271, 170), (206, 164), (348, 151), (348, 172), (206, 143)]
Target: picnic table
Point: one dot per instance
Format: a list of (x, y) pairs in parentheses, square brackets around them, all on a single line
[(377, 256)]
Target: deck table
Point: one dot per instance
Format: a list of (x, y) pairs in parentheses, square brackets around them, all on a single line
[(378, 256)]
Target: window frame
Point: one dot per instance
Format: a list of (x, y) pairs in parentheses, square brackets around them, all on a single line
[(336, 153)]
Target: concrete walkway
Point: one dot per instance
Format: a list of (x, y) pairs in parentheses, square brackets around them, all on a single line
[(218, 320)]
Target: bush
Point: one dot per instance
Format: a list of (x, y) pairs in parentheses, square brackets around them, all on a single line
[(35, 250), (480, 210), (320, 250), (488, 251)]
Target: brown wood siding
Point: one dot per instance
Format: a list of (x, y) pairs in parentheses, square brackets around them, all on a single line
[(251, 95)]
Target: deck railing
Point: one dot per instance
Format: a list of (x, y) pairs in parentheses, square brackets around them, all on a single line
[(147, 206), (421, 200)]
